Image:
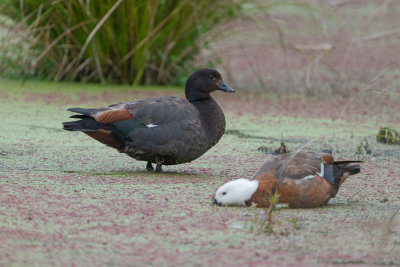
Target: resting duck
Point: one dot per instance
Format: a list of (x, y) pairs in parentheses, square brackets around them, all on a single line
[(165, 130), (303, 180)]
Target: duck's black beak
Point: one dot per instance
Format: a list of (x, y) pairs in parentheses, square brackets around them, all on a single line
[(223, 87), (216, 203)]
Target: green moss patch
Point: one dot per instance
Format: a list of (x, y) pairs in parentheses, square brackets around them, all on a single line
[(387, 135)]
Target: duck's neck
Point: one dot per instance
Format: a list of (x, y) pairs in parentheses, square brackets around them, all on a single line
[(195, 95), (212, 117), (207, 97)]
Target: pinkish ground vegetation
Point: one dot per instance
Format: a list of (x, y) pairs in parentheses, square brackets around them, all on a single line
[(328, 79), (69, 200)]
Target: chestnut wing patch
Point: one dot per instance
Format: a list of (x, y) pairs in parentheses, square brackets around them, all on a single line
[(112, 115), (326, 158)]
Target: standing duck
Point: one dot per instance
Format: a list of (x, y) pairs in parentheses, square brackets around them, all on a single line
[(164, 130), (303, 180)]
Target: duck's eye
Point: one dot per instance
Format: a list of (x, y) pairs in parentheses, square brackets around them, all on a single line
[(224, 193), (211, 77)]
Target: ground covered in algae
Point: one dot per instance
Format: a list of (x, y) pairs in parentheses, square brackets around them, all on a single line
[(69, 200)]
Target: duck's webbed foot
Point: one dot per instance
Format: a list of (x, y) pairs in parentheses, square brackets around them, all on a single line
[(149, 166)]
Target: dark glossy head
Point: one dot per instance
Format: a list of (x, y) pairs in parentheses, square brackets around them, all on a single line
[(200, 84)]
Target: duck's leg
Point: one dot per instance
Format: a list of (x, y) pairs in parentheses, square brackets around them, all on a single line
[(159, 168), (159, 163), (149, 166)]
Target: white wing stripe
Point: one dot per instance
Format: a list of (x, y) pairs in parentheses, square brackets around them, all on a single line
[(321, 173)]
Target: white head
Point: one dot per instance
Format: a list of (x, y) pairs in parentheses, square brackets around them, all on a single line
[(235, 192)]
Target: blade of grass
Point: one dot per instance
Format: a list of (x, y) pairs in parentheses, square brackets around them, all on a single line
[(98, 26)]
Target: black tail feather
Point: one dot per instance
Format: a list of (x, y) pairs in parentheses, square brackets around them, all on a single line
[(347, 166), (341, 167), (340, 162), (79, 116), (84, 111), (84, 125), (89, 124), (351, 168)]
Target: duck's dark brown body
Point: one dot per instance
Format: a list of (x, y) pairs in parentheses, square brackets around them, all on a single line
[(183, 135), (164, 130)]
